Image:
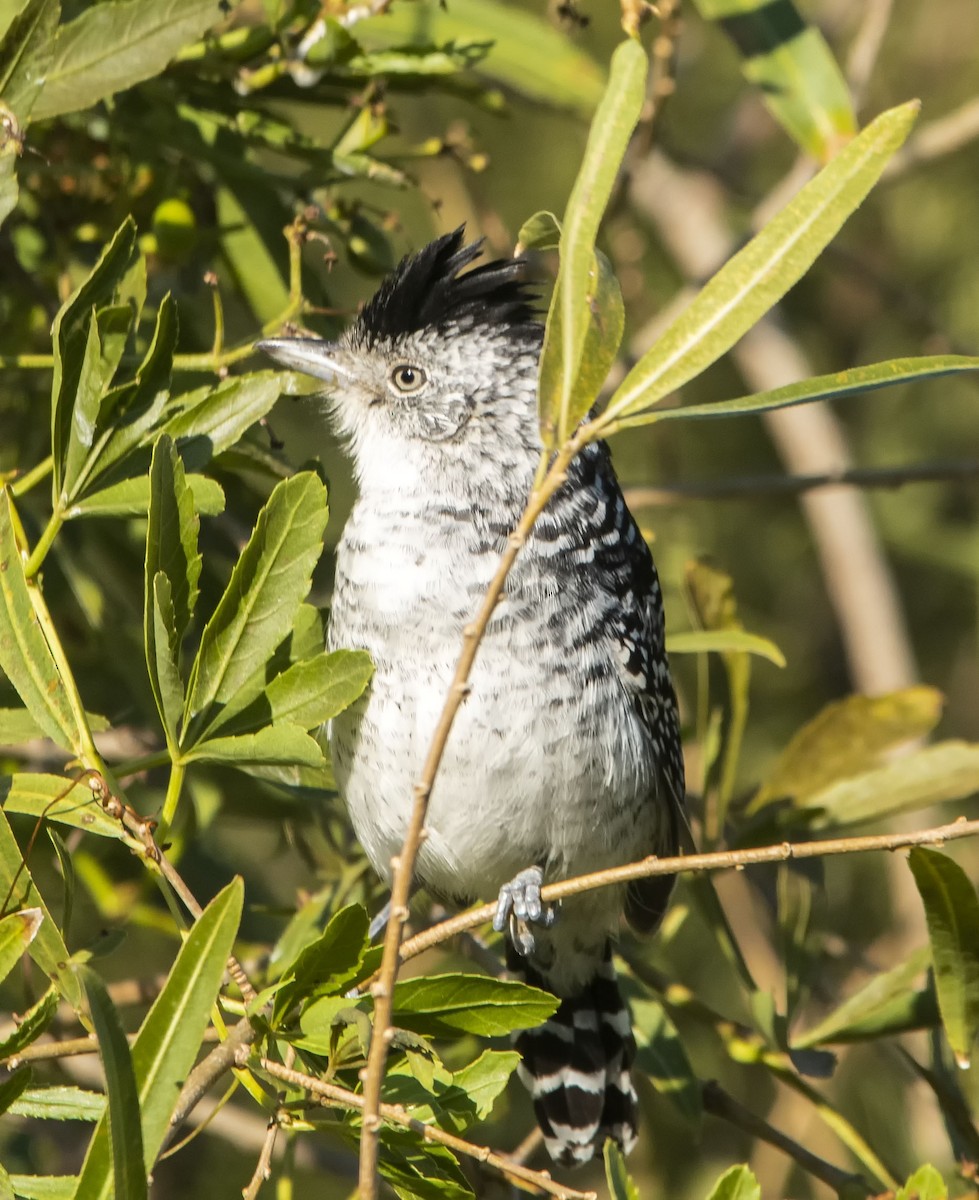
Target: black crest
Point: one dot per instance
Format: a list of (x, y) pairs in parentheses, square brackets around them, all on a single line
[(426, 290)]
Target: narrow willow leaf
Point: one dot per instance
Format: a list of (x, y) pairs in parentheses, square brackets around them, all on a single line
[(581, 283), (661, 1058), (758, 276), (59, 1104), (208, 422), (97, 289), (721, 641), (737, 1183), (171, 533), (162, 650), (108, 48), (946, 771), (34, 1022), (266, 588), (48, 947), (791, 64), (437, 1005), (529, 54), (170, 1037), (6, 1185), (123, 1174), (25, 56), (886, 1004), (55, 798), (131, 498), (845, 738), (9, 191), (276, 745), (25, 657), (839, 385), (44, 1187), (952, 914), (17, 931), (621, 1185), (307, 694), (256, 270), (925, 1184)]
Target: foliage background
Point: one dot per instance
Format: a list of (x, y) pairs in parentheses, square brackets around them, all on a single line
[(211, 191)]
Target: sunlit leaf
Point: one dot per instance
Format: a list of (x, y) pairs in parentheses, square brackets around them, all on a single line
[(847, 737), (621, 1185), (171, 533), (925, 1184), (25, 56), (210, 420), (758, 276), (273, 746), (329, 963), (437, 1005), (131, 498), (17, 931), (952, 914), (737, 1183), (57, 798), (720, 641), (60, 1104), (32, 1024)]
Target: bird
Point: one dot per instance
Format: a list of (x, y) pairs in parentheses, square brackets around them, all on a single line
[(565, 756)]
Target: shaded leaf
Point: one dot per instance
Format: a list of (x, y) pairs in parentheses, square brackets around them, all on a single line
[(25, 56), (131, 498), (885, 1005), (9, 192), (17, 725), (952, 914), (328, 964), (542, 231), (13, 1086), (791, 64), (126, 1176), (171, 533), (25, 657), (720, 641), (266, 588), (60, 1104), (661, 1058), (17, 931), (621, 1185), (33, 1023), (574, 318), (846, 737), (162, 645), (276, 745), (111, 46), (758, 276), (211, 420), (435, 1005)]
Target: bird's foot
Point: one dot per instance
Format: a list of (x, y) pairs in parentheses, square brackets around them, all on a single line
[(521, 907)]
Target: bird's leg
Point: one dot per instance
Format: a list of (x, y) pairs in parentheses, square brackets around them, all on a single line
[(379, 923), (520, 905)]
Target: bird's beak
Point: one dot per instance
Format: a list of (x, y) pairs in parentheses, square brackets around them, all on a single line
[(309, 355)]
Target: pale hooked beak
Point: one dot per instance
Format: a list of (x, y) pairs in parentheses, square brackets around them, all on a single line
[(312, 356)]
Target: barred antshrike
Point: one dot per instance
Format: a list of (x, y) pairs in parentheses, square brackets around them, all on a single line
[(565, 756)]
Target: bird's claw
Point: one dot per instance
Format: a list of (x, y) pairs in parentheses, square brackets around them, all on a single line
[(520, 906)]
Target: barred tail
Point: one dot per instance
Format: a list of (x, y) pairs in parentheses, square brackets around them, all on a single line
[(576, 1068)]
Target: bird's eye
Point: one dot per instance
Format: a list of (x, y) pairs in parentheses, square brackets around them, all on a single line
[(408, 379)]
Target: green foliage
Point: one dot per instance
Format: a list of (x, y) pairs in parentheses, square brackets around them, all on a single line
[(144, 144)]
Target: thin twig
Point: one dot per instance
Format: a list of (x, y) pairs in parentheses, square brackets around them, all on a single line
[(936, 139), (718, 860), (748, 487), (263, 1168), (719, 1104), (222, 1058), (396, 1115), (404, 864), (865, 48)]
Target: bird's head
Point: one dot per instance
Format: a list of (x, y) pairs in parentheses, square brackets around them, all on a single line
[(435, 360)]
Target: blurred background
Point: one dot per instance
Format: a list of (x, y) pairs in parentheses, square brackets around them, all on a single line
[(865, 590)]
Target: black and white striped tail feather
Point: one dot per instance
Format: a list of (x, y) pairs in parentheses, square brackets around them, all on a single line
[(576, 1067)]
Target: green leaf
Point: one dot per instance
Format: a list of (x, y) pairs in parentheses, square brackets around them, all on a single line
[(542, 231), (128, 1175), (574, 319), (171, 533), (946, 771), (307, 694), (839, 385), (14, 1086), (115, 264), (111, 46), (48, 947), (17, 931), (9, 192), (758, 276), (55, 798), (276, 745), (211, 420), (267, 585), (60, 1104), (328, 964), (621, 1185), (661, 1058), (44, 1187), (162, 645), (925, 1184), (952, 914), (528, 54), (790, 63), (25, 56), (437, 1005), (25, 657), (847, 737), (256, 271), (419, 1170), (453, 1102), (131, 498), (887, 1004), (721, 641), (170, 1037), (33, 1023), (737, 1183)]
